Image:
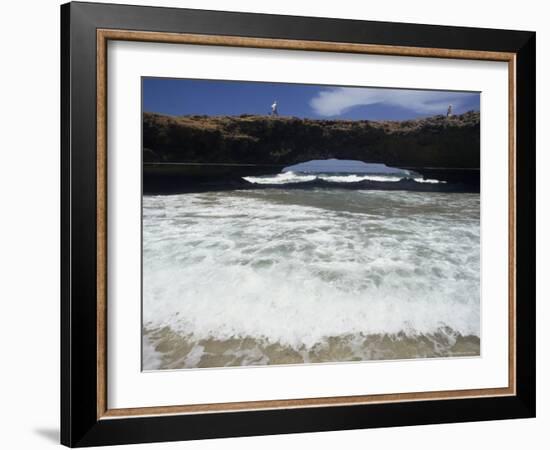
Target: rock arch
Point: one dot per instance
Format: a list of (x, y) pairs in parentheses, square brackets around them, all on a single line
[(191, 149)]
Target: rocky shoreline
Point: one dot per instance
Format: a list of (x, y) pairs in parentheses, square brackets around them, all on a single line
[(179, 152)]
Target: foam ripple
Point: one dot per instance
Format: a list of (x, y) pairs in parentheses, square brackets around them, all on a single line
[(296, 270)]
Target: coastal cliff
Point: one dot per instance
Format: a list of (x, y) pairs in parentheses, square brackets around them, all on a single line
[(236, 146)]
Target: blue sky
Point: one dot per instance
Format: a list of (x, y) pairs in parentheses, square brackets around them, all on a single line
[(344, 166), (212, 97)]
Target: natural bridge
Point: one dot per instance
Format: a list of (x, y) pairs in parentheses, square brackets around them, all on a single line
[(186, 150)]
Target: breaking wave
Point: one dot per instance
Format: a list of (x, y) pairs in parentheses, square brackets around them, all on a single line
[(277, 276), (290, 177)]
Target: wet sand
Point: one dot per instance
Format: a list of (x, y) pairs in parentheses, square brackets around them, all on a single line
[(173, 351)]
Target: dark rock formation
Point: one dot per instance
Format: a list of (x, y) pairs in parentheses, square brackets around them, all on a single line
[(231, 147)]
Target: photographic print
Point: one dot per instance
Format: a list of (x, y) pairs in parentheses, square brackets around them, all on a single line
[(299, 224), (291, 207)]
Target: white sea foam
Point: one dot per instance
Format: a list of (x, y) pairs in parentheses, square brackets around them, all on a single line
[(292, 177), (296, 268), (352, 178), (427, 180), (281, 178)]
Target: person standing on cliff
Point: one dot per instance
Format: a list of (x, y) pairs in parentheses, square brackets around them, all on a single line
[(450, 111), (274, 111)]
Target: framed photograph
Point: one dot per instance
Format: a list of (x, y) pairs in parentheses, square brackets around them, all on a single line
[(276, 224)]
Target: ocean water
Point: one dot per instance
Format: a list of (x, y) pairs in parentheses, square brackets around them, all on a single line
[(285, 276), (297, 177)]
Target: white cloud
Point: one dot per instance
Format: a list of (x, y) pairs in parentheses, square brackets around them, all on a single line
[(335, 101)]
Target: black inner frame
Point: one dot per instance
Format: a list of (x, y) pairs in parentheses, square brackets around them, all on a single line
[(79, 423)]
